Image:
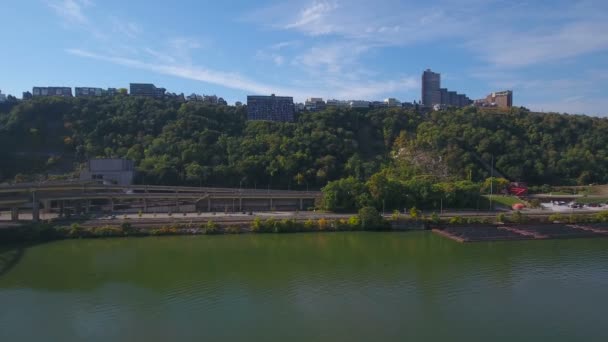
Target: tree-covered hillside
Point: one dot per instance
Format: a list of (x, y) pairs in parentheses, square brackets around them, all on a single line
[(194, 143)]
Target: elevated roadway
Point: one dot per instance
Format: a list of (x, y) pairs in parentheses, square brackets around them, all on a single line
[(84, 196)]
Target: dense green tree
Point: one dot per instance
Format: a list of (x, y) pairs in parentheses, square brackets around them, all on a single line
[(168, 138), (343, 194)]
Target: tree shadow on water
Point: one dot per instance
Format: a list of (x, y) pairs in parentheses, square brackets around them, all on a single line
[(10, 256)]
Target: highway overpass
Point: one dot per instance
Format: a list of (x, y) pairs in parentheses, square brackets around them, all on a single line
[(85, 197)]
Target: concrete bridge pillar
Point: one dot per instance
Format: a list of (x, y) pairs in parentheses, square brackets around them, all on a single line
[(35, 211), (88, 206), (15, 214), (111, 204), (61, 208), (47, 206), (301, 204), (209, 204), (240, 203), (271, 205), (145, 205)]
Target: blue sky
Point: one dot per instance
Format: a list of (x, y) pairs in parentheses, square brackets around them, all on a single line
[(553, 54)]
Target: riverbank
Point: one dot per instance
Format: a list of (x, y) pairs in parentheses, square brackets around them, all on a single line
[(477, 226), (511, 232)]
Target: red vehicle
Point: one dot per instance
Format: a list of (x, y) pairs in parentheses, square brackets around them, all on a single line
[(518, 189)]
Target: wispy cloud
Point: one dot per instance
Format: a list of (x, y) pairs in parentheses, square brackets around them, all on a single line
[(71, 10), (313, 18), (225, 79), (486, 28), (571, 40), (125, 28), (275, 58), (332, 57)]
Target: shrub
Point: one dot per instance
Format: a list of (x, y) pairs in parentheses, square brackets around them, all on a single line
[(354, 223), (128, 229), (518, 217), (501, 218), (210, 228), (473, 220), (233, 230), (601, 216), (76, 231), (535, 203), (107, 231), (457, 220), (371, 219), (310, 225), (414, 213), (556, 218), (322, 224), (256, 225), (435, 219), (396, 215)]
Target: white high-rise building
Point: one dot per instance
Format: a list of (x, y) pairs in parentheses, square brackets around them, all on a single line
[(2, 97)]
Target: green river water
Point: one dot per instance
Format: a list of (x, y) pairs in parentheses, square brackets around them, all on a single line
[(412, 286)]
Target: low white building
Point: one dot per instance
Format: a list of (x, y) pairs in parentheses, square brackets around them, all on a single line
[(359, 104), (109, 171), (2, 97)]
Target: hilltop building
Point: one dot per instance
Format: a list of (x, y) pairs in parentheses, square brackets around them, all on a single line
[(433, 94), (431, 84), (87, 91), (271, 108), (336, 103), (392, 102), (314, 104), (52, 91), (359, 104), (146, 89), (2, 97), (500, 99), (109, 171)]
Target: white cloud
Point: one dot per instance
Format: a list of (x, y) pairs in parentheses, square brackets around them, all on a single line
[(71, 10), (313, 18), (284, 45)]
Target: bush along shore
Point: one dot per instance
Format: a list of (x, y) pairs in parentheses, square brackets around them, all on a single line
[(368, 219)]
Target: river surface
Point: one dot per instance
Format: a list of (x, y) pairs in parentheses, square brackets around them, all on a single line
[(305, 287)]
